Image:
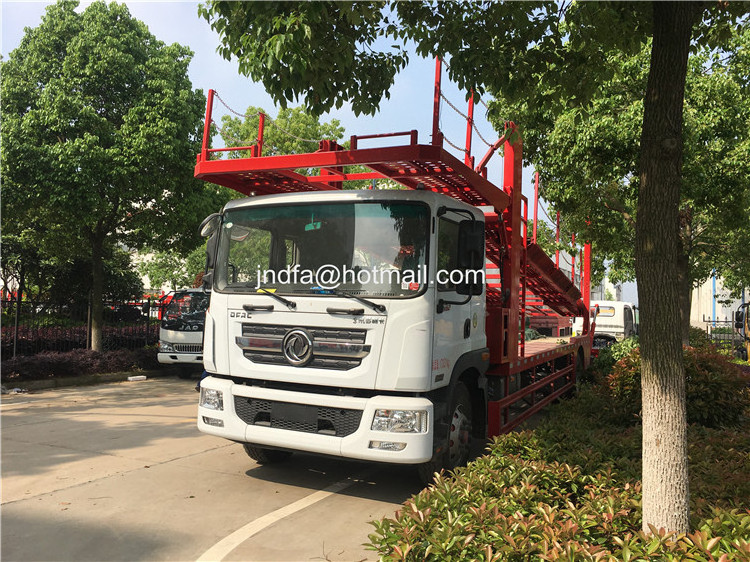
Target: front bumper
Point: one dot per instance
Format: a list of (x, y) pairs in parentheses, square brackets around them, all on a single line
[(180, 358), (417, 447)]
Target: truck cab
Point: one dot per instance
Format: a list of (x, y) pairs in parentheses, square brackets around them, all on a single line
[(348, 318)]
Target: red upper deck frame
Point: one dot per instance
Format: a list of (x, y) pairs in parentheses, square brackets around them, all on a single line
[(416, 166)]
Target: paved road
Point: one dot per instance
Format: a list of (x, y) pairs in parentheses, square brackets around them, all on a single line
[(120, 472)]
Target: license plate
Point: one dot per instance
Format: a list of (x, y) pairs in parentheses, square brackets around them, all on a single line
[(294, 413)]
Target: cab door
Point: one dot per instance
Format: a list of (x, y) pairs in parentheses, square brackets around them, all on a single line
[(459, 322)]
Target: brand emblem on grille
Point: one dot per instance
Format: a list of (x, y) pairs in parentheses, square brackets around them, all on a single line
[(297, 347)]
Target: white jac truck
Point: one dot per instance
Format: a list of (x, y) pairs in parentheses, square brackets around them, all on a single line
[(182, 315), (358, 324)]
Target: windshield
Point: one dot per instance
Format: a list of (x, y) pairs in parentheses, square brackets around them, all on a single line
[(375, 249), (186, 311)]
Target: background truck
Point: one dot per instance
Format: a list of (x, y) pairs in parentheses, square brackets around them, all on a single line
[(406, 368), (616, 321), (182, 315)]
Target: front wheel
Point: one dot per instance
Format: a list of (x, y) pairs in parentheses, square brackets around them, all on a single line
[(458, 446), (262, 455)]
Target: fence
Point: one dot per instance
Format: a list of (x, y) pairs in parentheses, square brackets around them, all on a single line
[(722, 334), (32, 327)]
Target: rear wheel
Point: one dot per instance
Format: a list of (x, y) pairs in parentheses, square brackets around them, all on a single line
[(262, 455), (580, 370), (458, 446)]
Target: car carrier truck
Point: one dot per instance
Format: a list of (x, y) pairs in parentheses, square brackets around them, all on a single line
[(381, 325)]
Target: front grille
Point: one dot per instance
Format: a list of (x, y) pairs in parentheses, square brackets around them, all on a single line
[(343, 335), (188, 348), (337, 422), (262, 343)]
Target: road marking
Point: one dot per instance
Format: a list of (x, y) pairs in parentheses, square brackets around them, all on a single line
[(221, 549)]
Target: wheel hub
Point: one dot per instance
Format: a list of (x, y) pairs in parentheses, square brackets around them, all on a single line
[(459, 438)]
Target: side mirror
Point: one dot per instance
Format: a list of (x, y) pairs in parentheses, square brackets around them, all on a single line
[(209, 228), (471, 244), (471, 257), (210, 225)]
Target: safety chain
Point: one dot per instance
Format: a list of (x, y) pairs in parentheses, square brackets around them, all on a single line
[(454, 146), (269, 120), (553, 222), (273, 124), (466, 117), (448, 67)]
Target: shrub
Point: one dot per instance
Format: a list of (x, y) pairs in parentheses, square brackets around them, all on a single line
[(49, 364), (716, 390), (514, 504), (699, 338), (608, 356), (576, 433), (569, 491)]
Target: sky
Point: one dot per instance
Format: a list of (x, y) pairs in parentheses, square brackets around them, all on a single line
[(409, 107)]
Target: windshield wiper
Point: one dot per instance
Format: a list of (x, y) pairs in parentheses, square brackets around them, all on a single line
[(375, 306), (290, 304)]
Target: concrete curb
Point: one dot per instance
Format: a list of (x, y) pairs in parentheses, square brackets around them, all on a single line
[(93, 379)]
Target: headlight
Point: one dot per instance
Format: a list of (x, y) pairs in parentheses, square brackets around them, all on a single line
[(212, 399), (400, 421), (165, 347)]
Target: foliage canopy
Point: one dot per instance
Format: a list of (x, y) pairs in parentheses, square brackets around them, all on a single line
[(100, 131)]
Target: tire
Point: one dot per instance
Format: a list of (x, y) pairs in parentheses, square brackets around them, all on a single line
[(580, 370), (262, 455), (458, 451)]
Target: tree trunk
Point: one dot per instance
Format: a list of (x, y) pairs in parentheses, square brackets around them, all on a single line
[(665, 463), (97, 292), (685, 288)]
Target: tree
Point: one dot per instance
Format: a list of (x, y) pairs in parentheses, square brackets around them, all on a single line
[(42, 278), (171, 268), (589, 162), (551, 55), (292, 131), (100, 131)]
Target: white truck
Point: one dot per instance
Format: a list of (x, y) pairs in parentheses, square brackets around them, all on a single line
[(182, 316), (616, 321), (358, 324)]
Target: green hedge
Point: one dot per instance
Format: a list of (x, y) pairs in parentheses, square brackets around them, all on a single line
[(716, 390), (570, 490)]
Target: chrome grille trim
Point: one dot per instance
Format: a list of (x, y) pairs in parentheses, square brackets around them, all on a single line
[(333, 348), (188, 348), (325, 348)]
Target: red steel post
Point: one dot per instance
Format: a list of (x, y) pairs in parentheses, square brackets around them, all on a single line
[(207, 125), (573, 258), (557, 241), (469, 131), (261, 126), (536, 205), (512, 181), (436, 138), (587, 275)]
